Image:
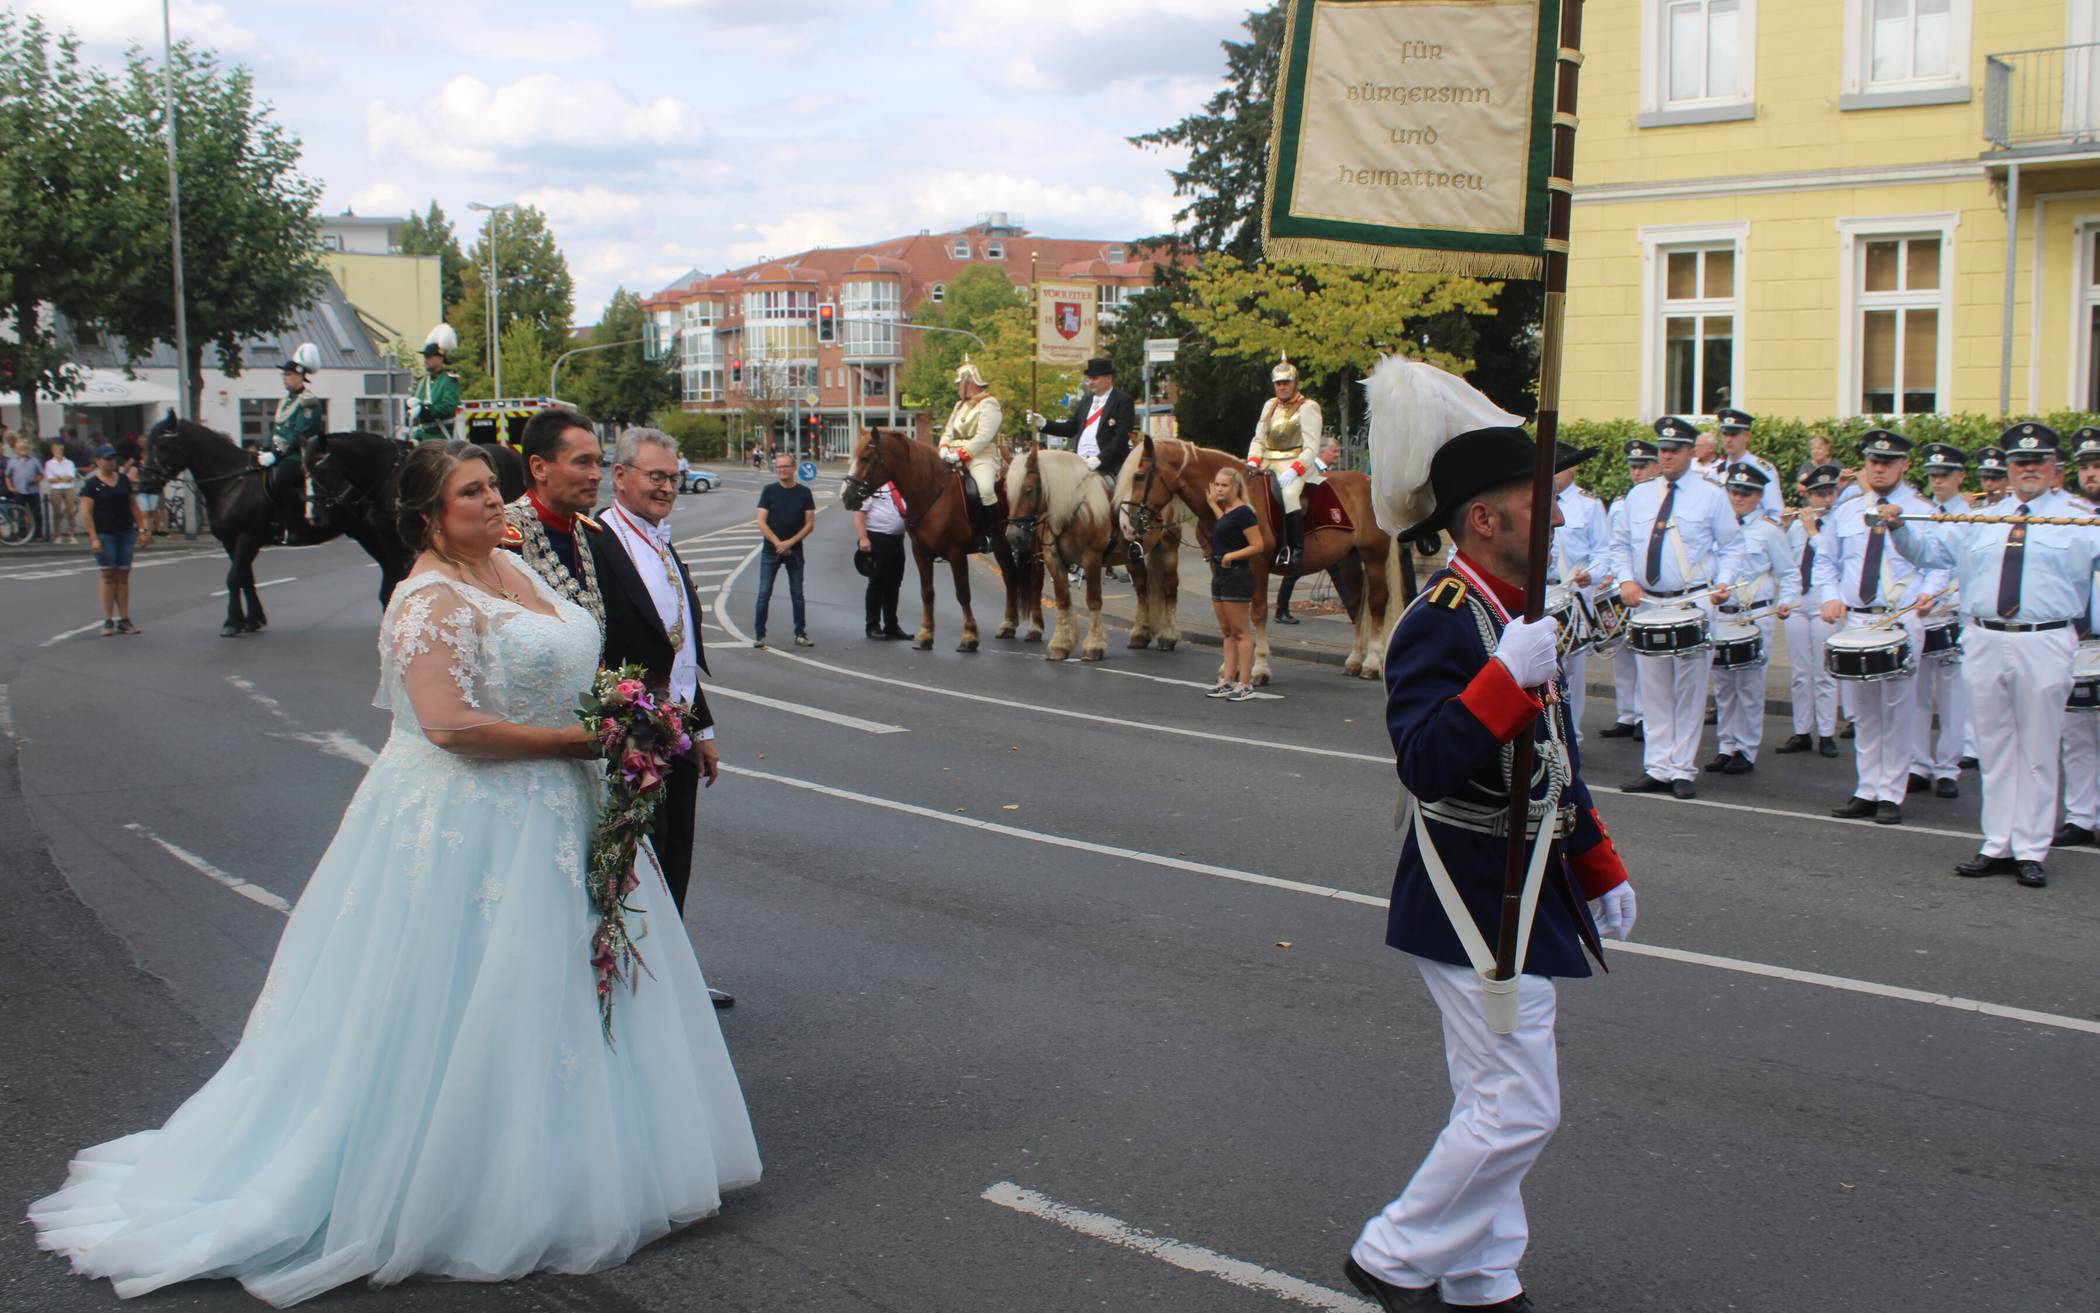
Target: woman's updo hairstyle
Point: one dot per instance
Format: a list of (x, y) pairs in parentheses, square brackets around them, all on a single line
[(419, 504)]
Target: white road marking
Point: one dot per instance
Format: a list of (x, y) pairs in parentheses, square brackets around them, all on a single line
[(261, 699), (1967, 836), (1738, 965), (56, 639), (7, 715), (1185, 683), (253, 893), (336, 744), (1176, 1253), (89, 567), (814, 713), (270, 583)]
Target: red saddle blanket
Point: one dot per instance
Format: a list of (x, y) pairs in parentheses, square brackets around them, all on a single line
[(1324, 510)]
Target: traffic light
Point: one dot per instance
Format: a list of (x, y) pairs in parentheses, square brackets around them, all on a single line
[(736, 369), (827, 322)]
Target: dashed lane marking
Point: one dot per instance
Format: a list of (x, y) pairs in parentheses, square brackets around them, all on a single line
[(7, 715), (253, 893), (268, 583), (1185, 683), (261, 699), (336, 744), (56, 639), (813, 713)]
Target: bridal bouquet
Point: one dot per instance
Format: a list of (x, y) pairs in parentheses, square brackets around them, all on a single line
[(640, 734)]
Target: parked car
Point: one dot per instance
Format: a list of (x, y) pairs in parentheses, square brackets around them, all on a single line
[(699, 480)]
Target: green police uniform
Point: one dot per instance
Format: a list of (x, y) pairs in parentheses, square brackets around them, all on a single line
[(300, 416), (437, 401)]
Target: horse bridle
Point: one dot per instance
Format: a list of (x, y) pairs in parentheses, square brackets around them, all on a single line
[(152, 469), (1139, 508), (864, 488)]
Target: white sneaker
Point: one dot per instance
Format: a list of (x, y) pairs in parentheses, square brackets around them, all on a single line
[(1240, 693), (1220, 691)]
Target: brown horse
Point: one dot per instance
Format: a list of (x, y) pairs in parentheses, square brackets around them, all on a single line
[(1060, 512), (1163, 470), (937, 519)]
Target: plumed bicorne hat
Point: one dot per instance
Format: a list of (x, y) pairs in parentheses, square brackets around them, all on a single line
[(441, 341), (304, 361)]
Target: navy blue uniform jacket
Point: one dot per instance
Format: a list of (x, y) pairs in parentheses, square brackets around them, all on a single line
[(1450, 708)]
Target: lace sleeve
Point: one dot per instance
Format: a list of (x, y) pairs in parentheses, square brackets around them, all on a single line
[(434, 659)]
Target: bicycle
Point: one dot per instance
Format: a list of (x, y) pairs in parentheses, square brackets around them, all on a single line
[(16, 525)]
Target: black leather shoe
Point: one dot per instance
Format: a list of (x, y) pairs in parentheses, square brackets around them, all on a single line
[(1796, 743), (1855, 809), (2032, 875), (1967, 763), (1827, 746), (1286, 618), (873, 632), (1640, 733), (1887, 813), (1712, 716), (1982, 865), (1645, 784), (1392, 1298), (1719, 763), (1918, 784), (1846, 732), (1739, 763), (893, 633), (2069, 835), (1616, 730), (1946, 789), (1683, 789), (721, 999), (1517, 1303)]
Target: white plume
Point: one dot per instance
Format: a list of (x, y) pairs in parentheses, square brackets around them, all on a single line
[(307, 357), (443, 338), (1415, 409)]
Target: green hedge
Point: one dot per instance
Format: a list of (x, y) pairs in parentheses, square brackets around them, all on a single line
[(1784, 442), (700, 436)]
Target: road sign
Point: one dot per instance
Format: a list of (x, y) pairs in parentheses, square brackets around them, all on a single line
[(807, 471), (1160, 350), (811, 400)]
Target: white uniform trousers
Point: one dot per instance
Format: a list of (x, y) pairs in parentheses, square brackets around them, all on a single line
[(2082, 768), (1673, 713), (1941, 689), (1626, 685), (1814, 691), (1574, 666), (2024, 678), (1739, 700), (1460, 1223), (1885, 734)]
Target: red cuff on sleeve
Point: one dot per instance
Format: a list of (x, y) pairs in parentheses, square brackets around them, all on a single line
[(1496, 700), (1598, 868)]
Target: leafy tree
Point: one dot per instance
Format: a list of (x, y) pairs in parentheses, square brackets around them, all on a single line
[(67, 227), (1228, 144), (700, 436), (249, 250), (621, 385), (533, 279), (982, 300), (526, 364), (431, 233)]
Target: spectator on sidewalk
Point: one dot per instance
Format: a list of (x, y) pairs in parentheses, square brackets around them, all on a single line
[(62, 488), (1235, 541), (116, 528), (787, 511), (880, 523), (25, 482)]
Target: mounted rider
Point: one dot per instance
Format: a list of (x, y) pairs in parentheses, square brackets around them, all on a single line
[(970, 442), (1287, 447), (1101, 423), (437, 396), (300, 418)]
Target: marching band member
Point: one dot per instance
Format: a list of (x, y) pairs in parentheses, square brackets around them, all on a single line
[(970, 442), (301, 417), (1991, 476), (1468, 676), (1625, 670), (1580, 541), (1678, 534), (1733, 426), (2023, 588), (437, 395), (1814, 688), (1287, 445), (1858, 571), (1940, 686), (1768, 579), (2081, 753)]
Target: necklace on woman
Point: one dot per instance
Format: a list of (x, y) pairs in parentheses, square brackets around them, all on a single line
[(508, 594)]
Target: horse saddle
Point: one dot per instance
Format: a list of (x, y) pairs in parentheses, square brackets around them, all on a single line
[(1324, 510)]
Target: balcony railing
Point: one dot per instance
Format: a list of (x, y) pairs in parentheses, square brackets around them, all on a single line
[(2044, 97)]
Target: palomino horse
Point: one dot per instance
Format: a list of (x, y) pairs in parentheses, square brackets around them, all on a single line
[(938, 522), (1163, 470), (1060, 511), (242, 514)]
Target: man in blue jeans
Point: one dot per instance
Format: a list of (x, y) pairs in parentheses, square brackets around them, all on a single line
[(786, 514)]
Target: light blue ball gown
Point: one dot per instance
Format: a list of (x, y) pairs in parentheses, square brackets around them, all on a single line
[(422, 1087)]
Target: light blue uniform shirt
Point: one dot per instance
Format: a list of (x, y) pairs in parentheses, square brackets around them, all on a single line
[(1772, 503), (2056, 570), (1702, 543), (1841, 552), (1772, 571), (1580, 539)]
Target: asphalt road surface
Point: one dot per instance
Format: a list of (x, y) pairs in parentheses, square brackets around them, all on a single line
[(1062, 987)]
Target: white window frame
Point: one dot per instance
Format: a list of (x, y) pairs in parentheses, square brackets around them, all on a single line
[(1657, 242), (2085, 295), (959, 249), (1858, 90), (937, 293), (995, 250), (1657, 110), (1851, 232)]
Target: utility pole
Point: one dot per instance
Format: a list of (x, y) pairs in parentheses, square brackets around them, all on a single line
[(495, 330), (182, 319)]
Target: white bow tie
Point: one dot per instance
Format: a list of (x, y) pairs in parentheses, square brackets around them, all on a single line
[(658, 534)]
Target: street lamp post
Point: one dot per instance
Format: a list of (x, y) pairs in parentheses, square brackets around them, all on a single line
[(495, 308)]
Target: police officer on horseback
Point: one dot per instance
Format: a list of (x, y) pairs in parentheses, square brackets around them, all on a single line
[(301, 417), (437, 396), (970, 442), (1286, 446)]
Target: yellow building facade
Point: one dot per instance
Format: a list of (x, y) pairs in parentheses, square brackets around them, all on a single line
[(398, 295), (1799, 208)]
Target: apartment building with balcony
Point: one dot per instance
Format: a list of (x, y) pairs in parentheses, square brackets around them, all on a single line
[(751, 335), (1810, 208)]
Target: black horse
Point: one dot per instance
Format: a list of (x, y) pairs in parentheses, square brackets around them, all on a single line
[(356, 478)]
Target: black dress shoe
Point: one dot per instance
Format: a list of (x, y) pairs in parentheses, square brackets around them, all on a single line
[(1645, 784), (1887, 813), (1517, 1303), (894, 633), (1683, 789), (2069, 835), (1392, 1298), (1967, 763), (2032, 875), (1846, 732), (1946, 789), (1739, 763), (1827, 746), (1855, 809), (873, 632), (1617, 730), (1640, 732), (1712, 716), (1720, 761), (1917, 784), (1796, 743), (1286, 618), (1982, 864), (720, 999)]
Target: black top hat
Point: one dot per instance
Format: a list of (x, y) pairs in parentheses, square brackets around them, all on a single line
[(864, 562), (1100, 366), (1822, 477), (1481, 461), (1745, 477), (1884, 444), (1640, 451), (2029, 440), (1943, 458), (1728, 418), (2085, 443), (1671, 431), (1990, 463)]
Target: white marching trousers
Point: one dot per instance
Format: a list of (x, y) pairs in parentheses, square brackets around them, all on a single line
[(2082, 768), (1813, 689), (1673, 713), (2027, 676), (1460, 1223), (1942, 689), (1573, 667), (1885, 733), (1626, 684), (1739, 701)]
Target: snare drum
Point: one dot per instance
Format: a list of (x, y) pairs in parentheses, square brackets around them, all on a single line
[(2085, 678), (1561, 605), (1943, 640), (1668, 631), (1607, 622), (1869, 653), (1738, 644)]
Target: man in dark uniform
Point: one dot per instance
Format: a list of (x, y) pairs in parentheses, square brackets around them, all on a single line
[(1465, 676), (301, 417), (1100, 424), (437, 396), (551, 526)]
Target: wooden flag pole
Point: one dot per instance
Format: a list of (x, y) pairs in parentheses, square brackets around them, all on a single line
[(1560, 199)]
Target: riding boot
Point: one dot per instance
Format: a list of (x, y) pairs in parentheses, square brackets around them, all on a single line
[(1293, 548), (984, 522)]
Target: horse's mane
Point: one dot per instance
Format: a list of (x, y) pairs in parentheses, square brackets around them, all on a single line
[(1126, 480), (1068, 486)]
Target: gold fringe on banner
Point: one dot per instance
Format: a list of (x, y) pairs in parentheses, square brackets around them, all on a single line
[(1405, 259)]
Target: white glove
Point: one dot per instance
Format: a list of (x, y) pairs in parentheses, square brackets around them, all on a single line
[(1285, 479), (1529, 650), (951, 456), (1093, 462), (1036, 422), (1253, 464), (267, 459), (1614, 911)]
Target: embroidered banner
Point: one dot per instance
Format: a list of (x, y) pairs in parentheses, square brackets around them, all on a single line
[(1064, 323), (1414, 135)]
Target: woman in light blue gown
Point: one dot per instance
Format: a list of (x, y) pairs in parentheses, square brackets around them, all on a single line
[(423, 1087)]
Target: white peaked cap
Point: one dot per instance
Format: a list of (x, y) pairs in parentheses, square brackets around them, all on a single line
[(443, 338), (1415, 409), (307, 357)]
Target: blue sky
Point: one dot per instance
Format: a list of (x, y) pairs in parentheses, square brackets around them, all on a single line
[(664, 135)]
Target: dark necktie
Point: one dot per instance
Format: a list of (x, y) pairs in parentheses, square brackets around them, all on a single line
[(1870, 567), (1808, 556), (1655, 535), (2009, 569)]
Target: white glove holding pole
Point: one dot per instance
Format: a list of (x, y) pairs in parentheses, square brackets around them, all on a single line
[(1036, 422), (1614, 911), (267, 459), (1093, 462), (950, 455), (1530, 650)]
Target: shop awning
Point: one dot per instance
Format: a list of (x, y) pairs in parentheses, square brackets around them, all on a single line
[(108, 387)]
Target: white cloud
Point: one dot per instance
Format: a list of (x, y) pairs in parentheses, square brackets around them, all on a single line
[(540, 43), (111, 25), (381, 198), (1078, 46), (474, 126), (586, 210)]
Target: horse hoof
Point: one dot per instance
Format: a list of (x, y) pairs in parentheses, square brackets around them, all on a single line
[(1054, 655), (967, 645), (923, 645), (1260, 680), (1034, 636), (1136, 641), (1165, 644), (1091, 656), (1352, 668), (1004, 631)]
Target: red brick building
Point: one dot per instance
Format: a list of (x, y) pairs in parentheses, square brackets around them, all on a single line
[(752, 334)]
